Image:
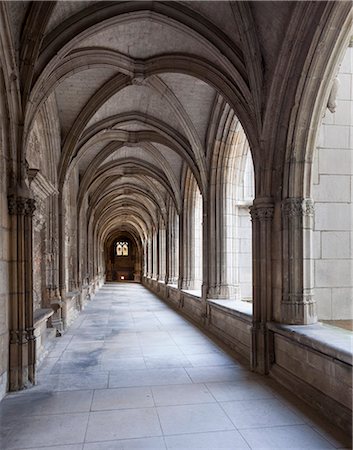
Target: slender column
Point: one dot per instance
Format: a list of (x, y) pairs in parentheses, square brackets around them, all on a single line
[(149, 257), (223, 272), (298, 305), (185, 254), (155, 256), (181, 251), (22, 339), (162, 254), (168, 251), (262, 215)]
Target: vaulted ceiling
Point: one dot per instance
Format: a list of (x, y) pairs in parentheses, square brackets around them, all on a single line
[(139, 89)]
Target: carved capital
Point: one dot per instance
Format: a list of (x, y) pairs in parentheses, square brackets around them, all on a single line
[(18, 336), (21, 206), (297, 207), (298, 299), (262, 212)]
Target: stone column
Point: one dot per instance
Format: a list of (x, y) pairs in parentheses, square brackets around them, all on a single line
[(223, 273), (298, 305), (262, 213), (155, 256), (22, 339), (186, 252), (168, 251), (162, 254), (149, 258)]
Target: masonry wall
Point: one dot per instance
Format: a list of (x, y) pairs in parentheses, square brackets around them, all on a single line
[(332, 191)]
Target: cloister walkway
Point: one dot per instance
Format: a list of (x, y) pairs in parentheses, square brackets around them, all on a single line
[(131, 373)]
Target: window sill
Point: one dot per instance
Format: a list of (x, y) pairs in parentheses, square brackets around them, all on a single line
[(193, 292), (334, 342), (236, 308)]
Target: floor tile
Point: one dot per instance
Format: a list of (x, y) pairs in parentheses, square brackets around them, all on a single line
[(218, 440), (241, 390), (112, 364), (208, 374), (198, 349), (48, 430), (148, 377), (77, 381), (105, 399), (211, 359), (289, 437), (165, 362), (59, 447), (154, 443), (123, 424), (44, 403), (193, 418), (260, 413), (184, 394)]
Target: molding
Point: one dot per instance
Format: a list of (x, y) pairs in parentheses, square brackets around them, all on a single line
[(40, 185)]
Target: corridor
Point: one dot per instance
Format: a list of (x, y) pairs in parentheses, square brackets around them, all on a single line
[(131, 373)]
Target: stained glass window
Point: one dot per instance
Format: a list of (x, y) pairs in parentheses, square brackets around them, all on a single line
[(122, 249)]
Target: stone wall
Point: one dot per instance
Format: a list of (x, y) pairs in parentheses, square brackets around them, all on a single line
[(332, 192)]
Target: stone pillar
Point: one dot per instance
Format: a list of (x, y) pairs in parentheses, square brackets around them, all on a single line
[(181, 252), (184, 252), (223, 272), (262, 213), (162, 254), (155, 256), (149, 258), (22, 339), (168, 252), (298, 305)]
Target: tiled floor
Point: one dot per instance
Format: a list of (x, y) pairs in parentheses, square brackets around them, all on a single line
[(132, 374)]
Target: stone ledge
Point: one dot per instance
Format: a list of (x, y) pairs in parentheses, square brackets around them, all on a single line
[(193, 293), (328, 340), (40, 315), (234, 308)]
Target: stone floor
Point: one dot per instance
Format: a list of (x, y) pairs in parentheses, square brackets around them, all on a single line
[(131, 373)]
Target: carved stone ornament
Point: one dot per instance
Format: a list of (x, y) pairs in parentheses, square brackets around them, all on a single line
[(332, 100), (298, 299), (21, 206), (261, 213), (298, 207)]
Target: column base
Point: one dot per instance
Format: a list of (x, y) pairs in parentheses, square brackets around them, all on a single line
[(299, 310)]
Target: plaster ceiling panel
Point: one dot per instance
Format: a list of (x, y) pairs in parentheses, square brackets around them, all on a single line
[(63, 10), (196, 97), (271, 28), (175, 161), (89, 154), (127, 153), (17, 12), (144, 38), (220, 13), (142, 99), (74, 92)]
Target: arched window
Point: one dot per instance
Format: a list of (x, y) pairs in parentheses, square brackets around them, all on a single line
[(122, 249)]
